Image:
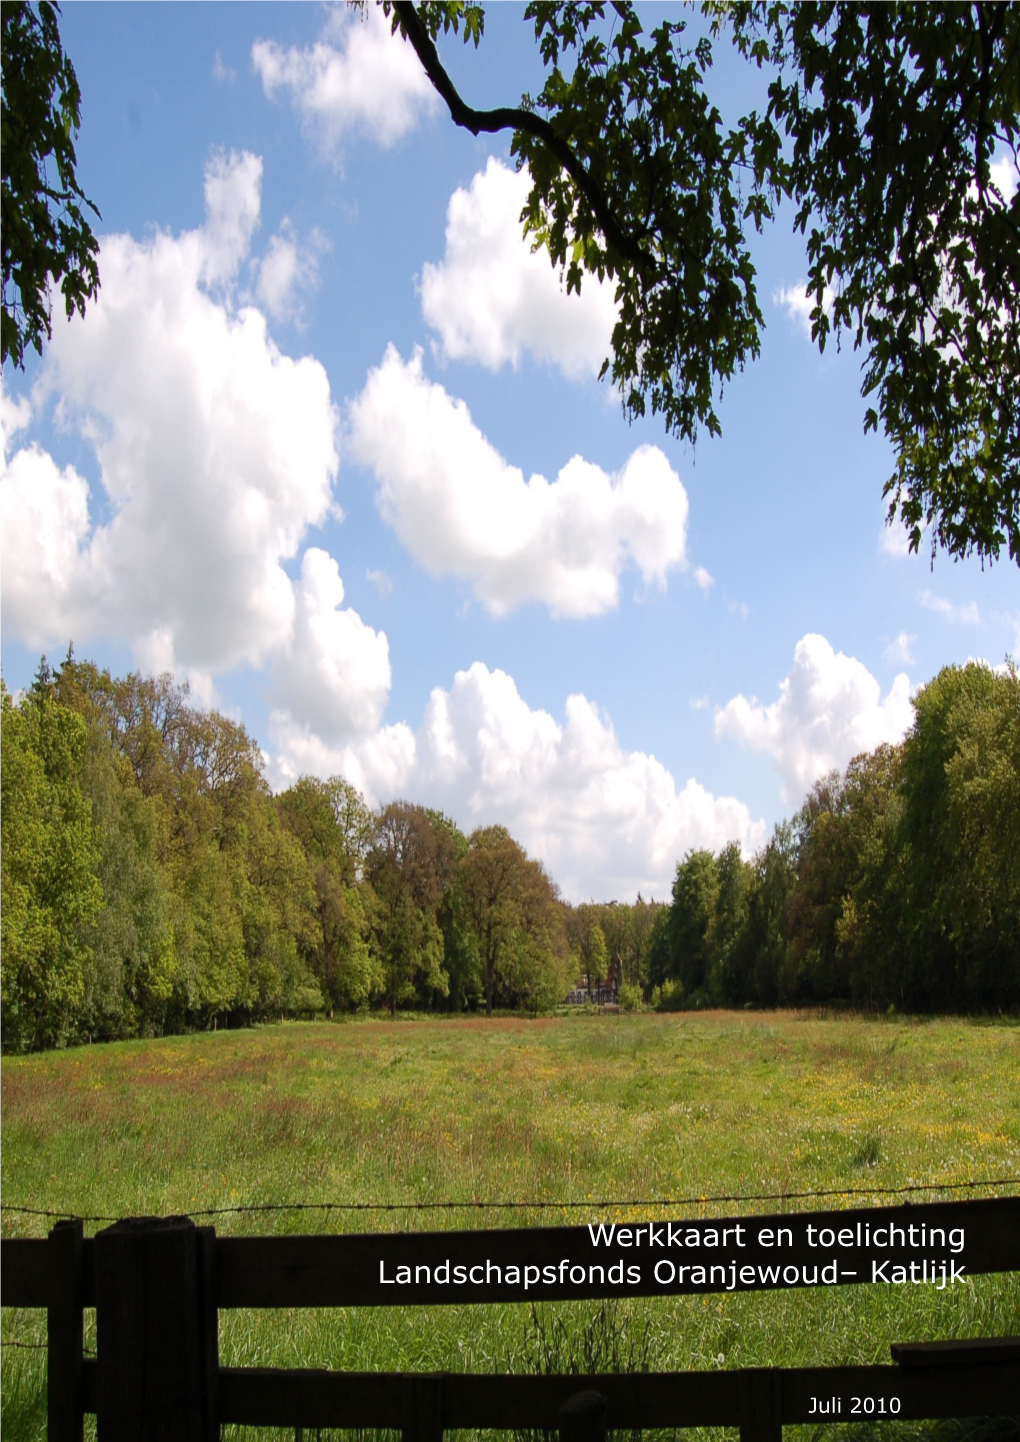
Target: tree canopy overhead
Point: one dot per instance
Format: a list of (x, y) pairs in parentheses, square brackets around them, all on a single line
[(46, 236), (882, 126)]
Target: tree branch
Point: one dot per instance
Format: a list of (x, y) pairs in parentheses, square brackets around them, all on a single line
[(508, 118)]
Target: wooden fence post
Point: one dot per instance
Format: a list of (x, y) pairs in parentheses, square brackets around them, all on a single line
[(760, 1405), (583, 1418), (155, 1324), (64, 1325)]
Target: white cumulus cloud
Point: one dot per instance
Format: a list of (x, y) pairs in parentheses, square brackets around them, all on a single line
[(606, 821), (335, 673), (461, 509), (798, 303), (829, 709), (493, 299), (1006, 176), (233, 203), (357, 78), (288, 271), (900, 651), (964, 614), (15, 416), (215, 453), (894, 538)]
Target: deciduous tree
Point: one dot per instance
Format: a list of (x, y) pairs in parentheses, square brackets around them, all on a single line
[(46, 238), (882, 125)]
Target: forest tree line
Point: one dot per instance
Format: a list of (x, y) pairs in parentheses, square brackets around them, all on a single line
[(152, 882)]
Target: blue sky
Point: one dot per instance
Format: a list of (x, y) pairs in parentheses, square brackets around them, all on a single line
[(295, 452)]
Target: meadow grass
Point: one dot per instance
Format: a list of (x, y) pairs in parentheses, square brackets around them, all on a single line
[(574, 1109)]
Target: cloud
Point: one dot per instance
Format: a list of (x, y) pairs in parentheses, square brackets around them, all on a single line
[(493, 299), (288, 271), (233, 201), (799, 304), (335, 672), (356, 79), (221, 72), (461, 509), (829, 710), (900, 650), (605, 821), (964, 615), (738, 608), (44, 517), (698, 703), (894, 538), (216, 453), (1005, 176), (15, 416), (703, 579), (381, 582)]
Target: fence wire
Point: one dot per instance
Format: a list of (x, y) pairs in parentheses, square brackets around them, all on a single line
[(544, 1204)]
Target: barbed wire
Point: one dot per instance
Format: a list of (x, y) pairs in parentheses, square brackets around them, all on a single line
[(544, 1204), (34, 1346)]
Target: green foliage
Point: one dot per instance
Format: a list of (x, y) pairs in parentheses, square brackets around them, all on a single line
[(583, 1108), (635, 178), (671, 996), (695, 894), (897, 883), (959, 832), (923, 258), (130, 981), (511, 906), (46, 237), (151, 882), (50, 893), (661, 213), (409, 866), (629, 997)]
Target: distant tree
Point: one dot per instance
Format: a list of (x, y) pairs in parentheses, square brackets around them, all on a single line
[(961, 828), (409, 865), (50, 895), (130, 979), (461, 960), (492, 874), (882, 124), (46, 238), (695, 895), (591, 954), (734, 875), (331, 820), (758, 964), (513, 910), (661, 963), (836, 920), (640, 931)]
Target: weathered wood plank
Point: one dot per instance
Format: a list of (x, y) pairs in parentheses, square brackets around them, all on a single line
[(259, 1397), (423, 1407), (362, 1270), (25, 1270), (962, 1351), (582, 1417), (761, 1405), (64, 1333)]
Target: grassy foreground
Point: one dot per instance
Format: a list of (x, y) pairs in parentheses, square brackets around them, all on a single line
[(576, 1109)]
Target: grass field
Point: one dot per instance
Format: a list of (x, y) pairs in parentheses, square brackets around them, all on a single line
[(574, 1109)]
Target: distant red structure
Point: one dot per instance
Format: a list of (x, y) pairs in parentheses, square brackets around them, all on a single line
[(597, 991)]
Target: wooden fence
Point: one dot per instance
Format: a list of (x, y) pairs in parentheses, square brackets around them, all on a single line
[(158, 1286)]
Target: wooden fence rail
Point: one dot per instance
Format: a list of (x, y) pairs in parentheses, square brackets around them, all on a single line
[(158, 1287)]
